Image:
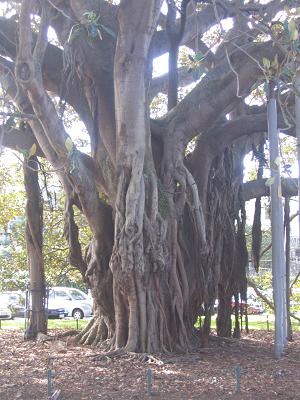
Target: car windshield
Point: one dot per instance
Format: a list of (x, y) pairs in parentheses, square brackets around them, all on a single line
[(62, 294), (77, 295)]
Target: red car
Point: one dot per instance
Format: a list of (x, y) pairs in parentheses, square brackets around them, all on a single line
[(252, 308)]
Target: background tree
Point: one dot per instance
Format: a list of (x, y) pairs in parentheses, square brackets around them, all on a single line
[(34, 244), (13, 257), (13, 265)]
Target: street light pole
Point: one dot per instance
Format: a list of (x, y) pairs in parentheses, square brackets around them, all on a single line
[(278, 258), (297, 112)]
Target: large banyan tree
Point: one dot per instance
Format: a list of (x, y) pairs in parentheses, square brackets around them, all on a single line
[(163, 196)]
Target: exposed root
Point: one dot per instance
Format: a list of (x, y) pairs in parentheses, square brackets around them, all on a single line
[(110, 355), (81, 336), (71, 332), (122, 353), (144, 357)]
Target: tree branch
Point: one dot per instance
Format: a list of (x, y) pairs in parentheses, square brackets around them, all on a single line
[(196, 25), (52, 71), (18, 96), (17, 139), (294, 281), (199, 22), (216, 139), (185, 77), (202, 107), (269, 246), (253, 189), (160, 83), (175, 37), (264, 298)]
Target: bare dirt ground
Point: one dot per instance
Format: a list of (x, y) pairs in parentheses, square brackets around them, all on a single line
[(208, 374)]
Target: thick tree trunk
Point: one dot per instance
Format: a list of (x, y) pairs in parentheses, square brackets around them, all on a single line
[(155, 255), (34, 240), (138, 298), (224, 324)]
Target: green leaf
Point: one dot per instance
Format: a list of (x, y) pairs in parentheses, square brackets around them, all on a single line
[(23, 151), (292, 25), (293, 30), (275, 63), (269, 182), (199, 56), (32, 150), (266, 62), (90, 40), (10, 122), (90, 15), (69, 144), (295, 35)]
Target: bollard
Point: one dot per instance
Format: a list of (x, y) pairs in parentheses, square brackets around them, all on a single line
[(238, 378), (77, 323), (268, 325), (49, 386), (149, 382)]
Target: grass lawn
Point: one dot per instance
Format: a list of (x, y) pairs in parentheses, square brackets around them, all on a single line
[(68, 323), (256, 322)]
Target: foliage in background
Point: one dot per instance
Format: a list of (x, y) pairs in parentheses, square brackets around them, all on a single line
[(13, 259)]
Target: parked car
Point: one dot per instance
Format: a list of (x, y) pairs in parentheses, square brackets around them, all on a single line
[(5, 312), (54, 311), (16, 303), (17, 306), (252, 307), (69, 301)]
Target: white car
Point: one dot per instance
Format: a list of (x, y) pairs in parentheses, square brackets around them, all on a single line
[(5, 312), (74, 302)]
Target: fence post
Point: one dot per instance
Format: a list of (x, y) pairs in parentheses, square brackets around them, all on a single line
[(149, 382), (238, 378), (49, 379)]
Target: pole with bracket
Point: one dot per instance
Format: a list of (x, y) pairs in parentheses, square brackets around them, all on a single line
[(297, 113), (278, 257)]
